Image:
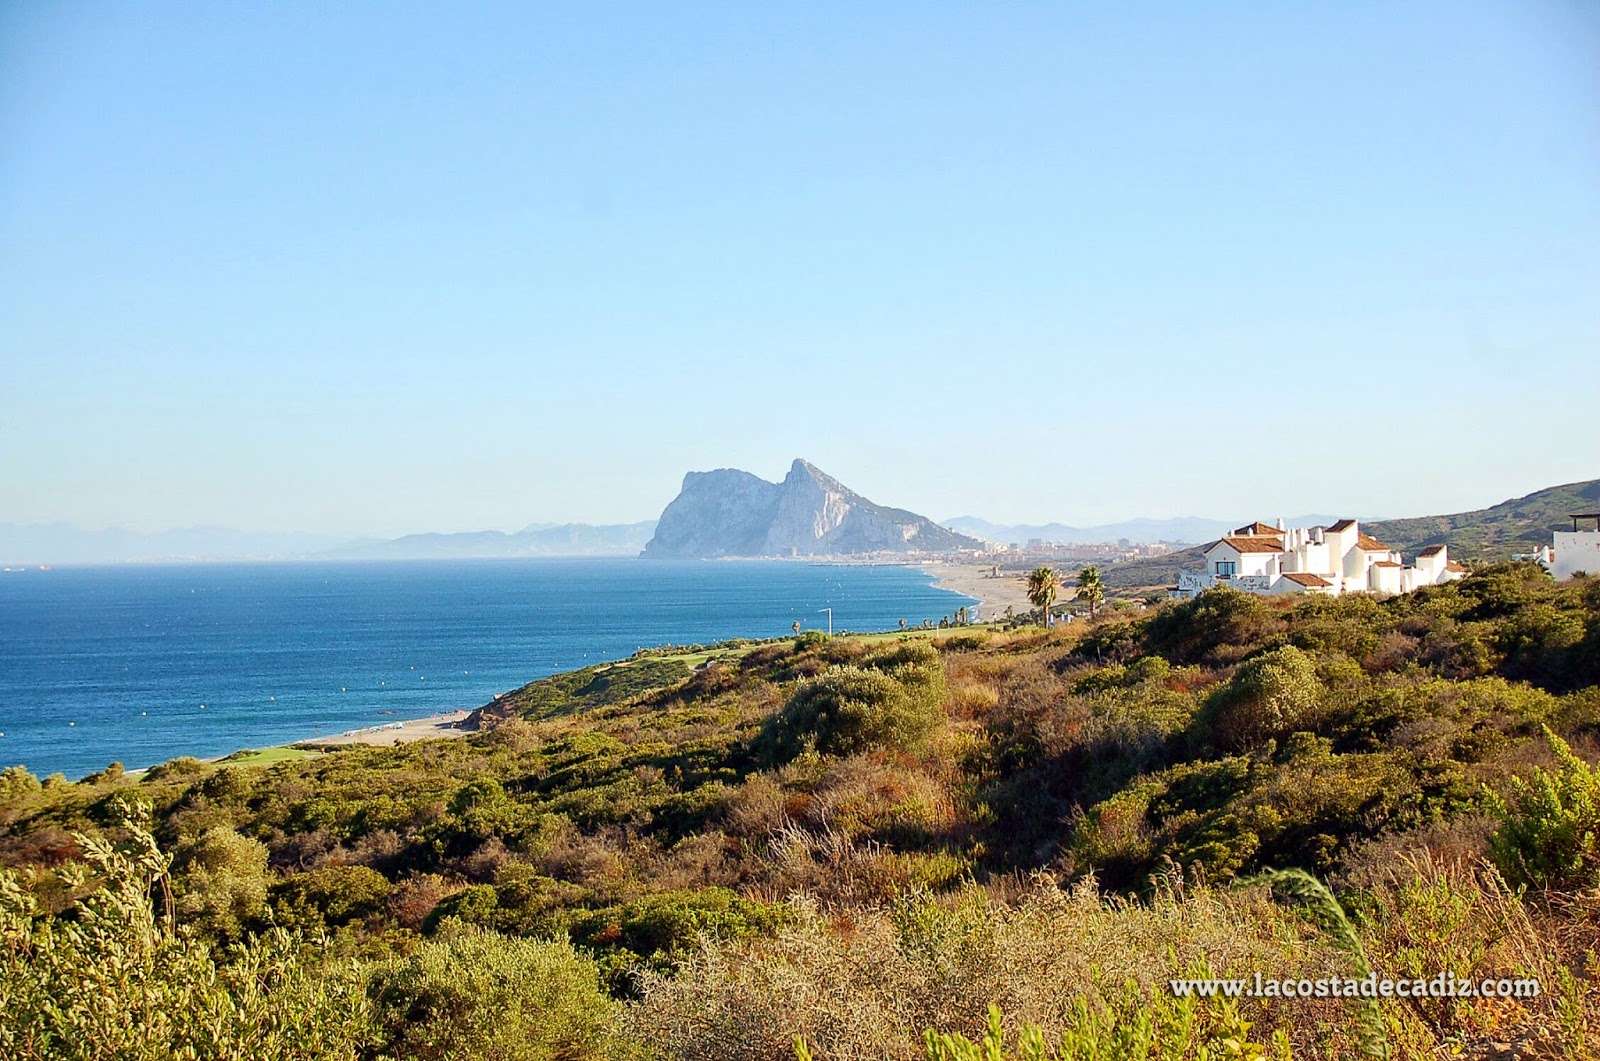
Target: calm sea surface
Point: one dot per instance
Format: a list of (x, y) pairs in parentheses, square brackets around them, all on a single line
[(141, 664)]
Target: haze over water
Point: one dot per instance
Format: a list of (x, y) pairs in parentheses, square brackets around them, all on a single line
[(114, 664)]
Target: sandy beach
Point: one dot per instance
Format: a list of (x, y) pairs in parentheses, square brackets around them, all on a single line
[(441, 725), (995, 594)]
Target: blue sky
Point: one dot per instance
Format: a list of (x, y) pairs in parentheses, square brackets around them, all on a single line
[(379, 268)]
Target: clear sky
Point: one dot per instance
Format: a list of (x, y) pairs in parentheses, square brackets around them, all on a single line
[(389, 267)]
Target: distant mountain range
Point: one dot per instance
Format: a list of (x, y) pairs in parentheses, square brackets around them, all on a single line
[(1140, 531), (544, 539), (728, 512), (62, 543), (59, 543), (733, 513)]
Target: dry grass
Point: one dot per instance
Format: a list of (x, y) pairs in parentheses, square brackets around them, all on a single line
[(868, 983), (865, 981), (1438, 913)]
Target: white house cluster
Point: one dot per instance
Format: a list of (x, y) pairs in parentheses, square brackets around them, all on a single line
[(1260, 558)]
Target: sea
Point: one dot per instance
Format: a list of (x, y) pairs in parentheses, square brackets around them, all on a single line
[(140, 664)]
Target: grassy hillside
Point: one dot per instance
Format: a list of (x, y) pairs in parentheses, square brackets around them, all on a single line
[(1494, 533), (703, 854)]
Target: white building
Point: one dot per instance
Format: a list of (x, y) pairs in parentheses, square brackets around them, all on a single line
[(1577, 550), (1260, 558)]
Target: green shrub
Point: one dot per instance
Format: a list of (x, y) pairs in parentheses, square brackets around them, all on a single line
[(230, 784), (1147, 669), (1272, 695), (220, 881), (331, 896), (486, 997), (476, 904), (1550, 826), (963, 643), (16, 783), (116, 980), (663, 925), (810, 639), (846, 710), (1204, 628), (173, 769)]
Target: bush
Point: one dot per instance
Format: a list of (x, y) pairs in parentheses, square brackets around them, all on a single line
[(332, 896), (1550, 827), (220, 881), (175, 769), (116, 980), (666, 925), (485, 996), (1271, 695), (1202, 629), (846, 710), (963, 643), (16, 783), (810, 639)]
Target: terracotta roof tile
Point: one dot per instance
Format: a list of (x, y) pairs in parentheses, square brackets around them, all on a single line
[(1385, 563), (1306, 578), (1342, 525), (1258, 528), (1368, 543), (1453, 566), (1254, 544), (1432, 550)]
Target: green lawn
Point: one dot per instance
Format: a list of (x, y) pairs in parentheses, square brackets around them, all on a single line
[(268, 756)]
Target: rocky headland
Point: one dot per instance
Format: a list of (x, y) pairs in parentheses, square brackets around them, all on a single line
[(728, 512)]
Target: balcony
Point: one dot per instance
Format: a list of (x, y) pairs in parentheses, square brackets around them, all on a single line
[(1193, 582)]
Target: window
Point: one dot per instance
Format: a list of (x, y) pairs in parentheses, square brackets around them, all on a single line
[(1225, 568)]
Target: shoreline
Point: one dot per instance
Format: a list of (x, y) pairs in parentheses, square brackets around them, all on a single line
[(440, 724), (994, 593)]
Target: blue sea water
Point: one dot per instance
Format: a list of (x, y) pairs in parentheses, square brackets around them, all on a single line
[(141, 664)]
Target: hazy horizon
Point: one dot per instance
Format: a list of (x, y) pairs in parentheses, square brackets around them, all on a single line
[(328, 538), (375, 270)]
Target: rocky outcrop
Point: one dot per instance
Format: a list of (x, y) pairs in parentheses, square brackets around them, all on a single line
[(728, 512)]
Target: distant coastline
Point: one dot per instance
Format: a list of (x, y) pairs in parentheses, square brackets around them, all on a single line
[(437, 725), (994, 590)]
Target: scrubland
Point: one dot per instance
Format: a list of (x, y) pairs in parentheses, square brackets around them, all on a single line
[(858, 848)]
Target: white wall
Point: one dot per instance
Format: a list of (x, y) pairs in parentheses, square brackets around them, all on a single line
[(1343, 555), (1429, 568), (1243, 563), (1386, 579), (1576, 551)]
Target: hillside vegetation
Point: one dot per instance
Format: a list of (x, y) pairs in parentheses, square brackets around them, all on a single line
[(1493, 533), (857, 841)]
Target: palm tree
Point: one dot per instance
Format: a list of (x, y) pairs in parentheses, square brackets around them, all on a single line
[(1042, 590), (1090, 588)]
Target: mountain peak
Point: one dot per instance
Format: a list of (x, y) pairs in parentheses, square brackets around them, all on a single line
[(802, 471), (810, 513)]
